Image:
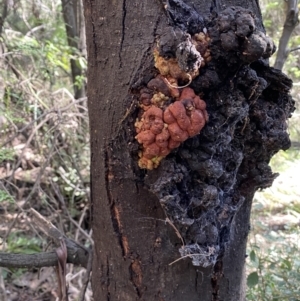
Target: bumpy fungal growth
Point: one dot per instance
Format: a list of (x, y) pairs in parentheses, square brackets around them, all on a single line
[(201, 41), (235, 32), (171, 114), (162, 127), (204, 184), (222, 162), (170, 67), (178, 54)]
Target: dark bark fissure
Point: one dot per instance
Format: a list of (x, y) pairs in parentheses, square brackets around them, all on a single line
[(114, 212), (123, 30), (107, 277), (196, 204)]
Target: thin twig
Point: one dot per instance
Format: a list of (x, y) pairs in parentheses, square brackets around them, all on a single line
[(188, 255), (2, 288), (77, 254), (87, 275), (180, 87), (50, 230), (176, 230), (294, 49), (36, 184)]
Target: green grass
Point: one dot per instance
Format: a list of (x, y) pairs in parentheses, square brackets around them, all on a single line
[(6, 154)]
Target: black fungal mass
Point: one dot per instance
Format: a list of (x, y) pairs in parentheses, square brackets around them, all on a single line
[(184, 16), (202, 184)]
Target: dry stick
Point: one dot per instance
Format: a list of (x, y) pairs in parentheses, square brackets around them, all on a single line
[(62, 201), (180, 87), (50, 230), (80, 222), (38, 260), (294, 49), (188, 255), (87, 275), (2, 288), (61, 269), (75, 165), (77, 254), (175, 229), (30, 194)]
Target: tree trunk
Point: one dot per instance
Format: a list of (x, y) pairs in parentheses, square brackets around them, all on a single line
[(72, 16), (179, 231), (291, 21)]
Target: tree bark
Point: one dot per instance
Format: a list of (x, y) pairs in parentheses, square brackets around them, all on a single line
[(142, 218)]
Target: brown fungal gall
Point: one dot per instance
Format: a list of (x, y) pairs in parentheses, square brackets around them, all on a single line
[(158, 84), (145, 137), (176, 133), (153, 120), (159, 99), (162, 129), (171, 114), (197, 123), (186, 116), (201, 41), (162, 138), (161, 89), (189, 93), (173, 144), (145, 99), (151, 151), (172, 84), (179, 112), (170, 67)]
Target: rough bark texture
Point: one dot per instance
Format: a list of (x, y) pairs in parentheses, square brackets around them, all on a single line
[(198, 200)]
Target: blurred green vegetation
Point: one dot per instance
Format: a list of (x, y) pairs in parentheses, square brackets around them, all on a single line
[(44, 141)]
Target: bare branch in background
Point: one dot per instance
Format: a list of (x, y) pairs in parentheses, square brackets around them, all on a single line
[(3, 14), (62, 271), (71, 10), (290, 23), (77, 254), (87, 276), (294, 49), (76, 250)]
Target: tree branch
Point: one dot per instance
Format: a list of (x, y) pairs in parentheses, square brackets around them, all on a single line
[(69, 10), (3, 15), (290, 23), (77, 254), (294, 49), (37, 260)]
